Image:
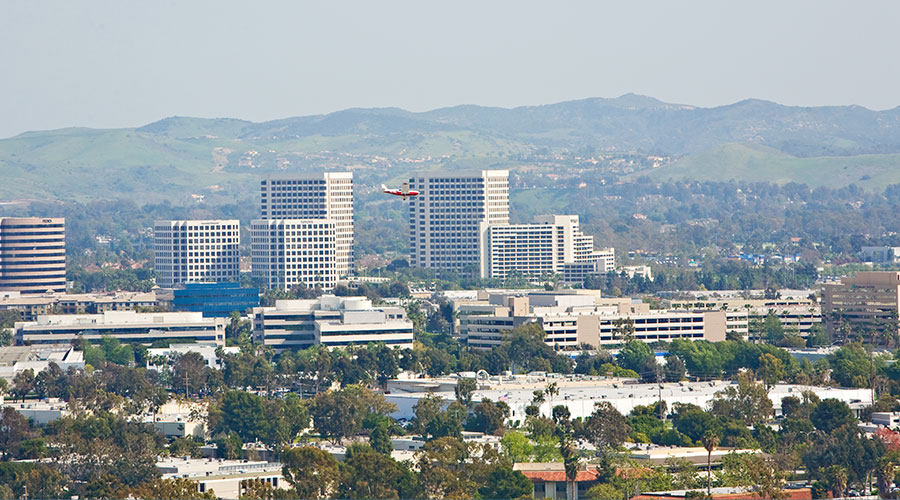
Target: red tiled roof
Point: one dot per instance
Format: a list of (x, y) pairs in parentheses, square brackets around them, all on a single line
[(558, 476)]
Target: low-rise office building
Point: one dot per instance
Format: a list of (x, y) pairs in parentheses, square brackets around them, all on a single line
[(867, 302), (160, 357), (227, 478), (215, 299), (32, 306), (330, 321), (797, 315), (126, 326), (572, 319), (14, 359)]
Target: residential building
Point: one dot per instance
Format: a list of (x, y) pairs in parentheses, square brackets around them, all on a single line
[(31, 306), (215, 299), (126, 326), (572, 319), (327, 195), (866, 303), (536, 250), (32, 254), (294, 252), (196, 251), (445, 218), (330, 321)]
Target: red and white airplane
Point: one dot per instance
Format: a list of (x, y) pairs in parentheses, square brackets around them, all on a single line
[(403, 192)]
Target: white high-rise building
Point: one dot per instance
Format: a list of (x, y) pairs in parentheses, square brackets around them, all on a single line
[(445, 218), (543, 248), (294, 252), (327, 195), (196, 251)]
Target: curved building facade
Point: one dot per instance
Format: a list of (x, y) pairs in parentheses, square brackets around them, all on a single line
[(32, 254)]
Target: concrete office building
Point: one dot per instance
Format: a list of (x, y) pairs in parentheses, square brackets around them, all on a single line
[(30, 307), (32, 254), (445, 218), (572, 319), (797, 315), (867, 302), (330, 321), (196, 251), (327, 195), (539, 249), (126, 326), (294, 252)]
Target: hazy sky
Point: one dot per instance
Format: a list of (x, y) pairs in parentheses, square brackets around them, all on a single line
[(127, 63)]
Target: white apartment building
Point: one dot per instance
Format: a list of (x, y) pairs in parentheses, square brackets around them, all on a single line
[(539, 249), (126, 326), (445, 218), (294, 252), (327, 195), (32, 254), (570, 320), (196, 251), (330, 321)]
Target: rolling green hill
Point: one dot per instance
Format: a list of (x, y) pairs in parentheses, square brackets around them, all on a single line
[(181, 159), (754, 163)]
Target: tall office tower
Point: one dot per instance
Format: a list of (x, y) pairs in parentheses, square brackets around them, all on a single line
[(294, 252), (33, 254), (196, 251), (328, 195), (445, 219)]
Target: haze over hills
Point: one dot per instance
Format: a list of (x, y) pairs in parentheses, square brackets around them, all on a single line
[(177, 157)]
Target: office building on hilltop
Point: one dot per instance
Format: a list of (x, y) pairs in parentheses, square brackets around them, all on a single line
[(330, 321), (542, 249), (865, 303), (32, 254), (126, 326), (445, 218), (327, 195), (288, 253), (196, 251)]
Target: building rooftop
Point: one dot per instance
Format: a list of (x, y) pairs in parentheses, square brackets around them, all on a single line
[(12, 355)]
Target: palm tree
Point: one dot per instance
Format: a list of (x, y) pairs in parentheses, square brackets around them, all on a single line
[(710, 442)]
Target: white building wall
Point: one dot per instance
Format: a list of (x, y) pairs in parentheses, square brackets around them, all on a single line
[(444, 220), (195, 251), (294, 252), (327, 195)]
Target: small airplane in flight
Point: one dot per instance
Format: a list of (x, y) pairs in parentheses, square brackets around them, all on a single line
[(403, 192)]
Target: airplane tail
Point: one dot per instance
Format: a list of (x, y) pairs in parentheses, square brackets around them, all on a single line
[(384, 188)]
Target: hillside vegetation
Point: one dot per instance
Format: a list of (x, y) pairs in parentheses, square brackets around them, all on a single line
[(182, 159)]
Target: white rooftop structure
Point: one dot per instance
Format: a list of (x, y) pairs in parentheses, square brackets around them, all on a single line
[(14, 359), (580, 394)]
